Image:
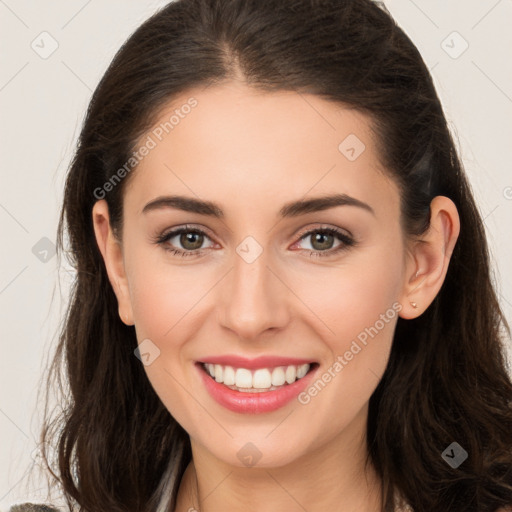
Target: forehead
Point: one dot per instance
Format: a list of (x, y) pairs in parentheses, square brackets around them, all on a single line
[(246, 147)]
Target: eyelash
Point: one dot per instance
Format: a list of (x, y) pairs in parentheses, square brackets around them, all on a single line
[(347, 241)]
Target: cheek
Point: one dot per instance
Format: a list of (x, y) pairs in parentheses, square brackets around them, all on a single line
[(163, 294), (163, 297), (356, 307), (354, 296)]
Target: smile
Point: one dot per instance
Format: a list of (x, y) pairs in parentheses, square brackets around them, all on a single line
[(261, 379), (256, 390)]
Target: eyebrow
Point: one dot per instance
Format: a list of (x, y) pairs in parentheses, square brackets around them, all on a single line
[(292, 209)]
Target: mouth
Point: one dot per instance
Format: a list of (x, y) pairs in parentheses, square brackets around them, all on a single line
[(257, 380), (256, 390)]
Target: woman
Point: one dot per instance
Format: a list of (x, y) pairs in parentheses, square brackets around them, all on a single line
[(215, 360)]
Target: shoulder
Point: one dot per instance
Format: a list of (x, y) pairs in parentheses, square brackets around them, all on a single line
[(33, 507)]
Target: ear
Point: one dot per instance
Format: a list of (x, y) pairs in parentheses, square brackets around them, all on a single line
[(111, 250), (428, 258)]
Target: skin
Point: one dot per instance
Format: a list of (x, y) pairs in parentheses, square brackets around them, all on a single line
[(252, 152)]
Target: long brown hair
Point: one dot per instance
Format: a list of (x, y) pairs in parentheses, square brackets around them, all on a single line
[(446, 380)]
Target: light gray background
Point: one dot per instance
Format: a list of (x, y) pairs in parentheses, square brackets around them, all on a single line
[(42, 103)]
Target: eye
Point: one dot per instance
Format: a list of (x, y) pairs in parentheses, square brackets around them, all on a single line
[(322, 240), (190, 238)]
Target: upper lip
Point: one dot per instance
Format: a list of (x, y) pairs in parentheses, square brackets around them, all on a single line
[(258, 362)]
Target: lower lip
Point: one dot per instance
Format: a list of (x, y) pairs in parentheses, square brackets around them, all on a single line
[(254, 403)]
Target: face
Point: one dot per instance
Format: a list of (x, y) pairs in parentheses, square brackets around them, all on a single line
[(266, 275)]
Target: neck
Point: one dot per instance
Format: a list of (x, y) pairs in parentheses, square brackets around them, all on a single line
[(332, 477)]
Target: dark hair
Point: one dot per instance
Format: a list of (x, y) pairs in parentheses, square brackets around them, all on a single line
[(446, 379)]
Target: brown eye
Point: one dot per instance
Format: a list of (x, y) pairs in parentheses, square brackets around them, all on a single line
[(184, 241), (322, 241), (191, 240)]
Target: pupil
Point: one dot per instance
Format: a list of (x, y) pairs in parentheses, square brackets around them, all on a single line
[(319, 236), (189, 237)]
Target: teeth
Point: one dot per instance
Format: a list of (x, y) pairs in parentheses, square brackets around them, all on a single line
[(260, 379), (229, 376), (290, 374), (302, 370), (278, 377), (243, 378)]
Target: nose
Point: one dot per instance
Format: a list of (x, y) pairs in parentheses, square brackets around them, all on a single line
[(254, 298)]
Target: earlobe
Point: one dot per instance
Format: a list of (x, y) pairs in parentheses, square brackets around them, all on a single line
[(429, 258), (110, 249)]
